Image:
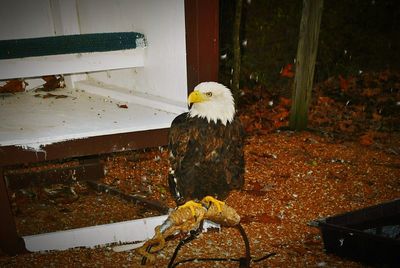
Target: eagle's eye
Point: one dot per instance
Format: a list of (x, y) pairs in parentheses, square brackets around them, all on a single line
[(209, 94)]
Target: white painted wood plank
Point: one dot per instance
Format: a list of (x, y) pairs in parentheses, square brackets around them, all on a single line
[(127, 247), (163, 24), (71, 63), (121, 232), (65, 17), (30, 121), (66, 22), (25, 19), (122, 94)]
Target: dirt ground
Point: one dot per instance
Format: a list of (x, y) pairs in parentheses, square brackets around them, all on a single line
[(348, 160)]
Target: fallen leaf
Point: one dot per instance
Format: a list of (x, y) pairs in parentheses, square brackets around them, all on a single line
[(280, 116), (367, 139), (13, 86), (50, 95), (266, 218), (52, 82), (376, 117), (325, 100), (256, 186), (370, 92), (285, 101), (279, 124), (346, 126), (61, 96), (344, 84), (287, 71), (384, 76)]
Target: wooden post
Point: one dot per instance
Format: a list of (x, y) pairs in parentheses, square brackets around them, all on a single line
[(305, 63), (236, 50), (10, 242), (202, 41)]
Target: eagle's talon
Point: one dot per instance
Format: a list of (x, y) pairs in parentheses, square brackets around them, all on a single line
[(191, 204), (209, 199)]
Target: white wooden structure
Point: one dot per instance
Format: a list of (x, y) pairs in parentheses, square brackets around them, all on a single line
[(150, 80)]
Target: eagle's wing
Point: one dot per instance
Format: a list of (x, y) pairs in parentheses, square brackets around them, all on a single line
[(177, 143), (234, 151), (205, 158)]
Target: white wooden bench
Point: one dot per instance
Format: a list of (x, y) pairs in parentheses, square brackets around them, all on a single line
[(35, 122)]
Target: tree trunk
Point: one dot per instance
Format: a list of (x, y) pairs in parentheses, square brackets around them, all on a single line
[(236, 50), (305, 63)]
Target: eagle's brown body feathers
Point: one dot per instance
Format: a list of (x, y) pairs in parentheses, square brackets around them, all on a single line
[(206, 158)]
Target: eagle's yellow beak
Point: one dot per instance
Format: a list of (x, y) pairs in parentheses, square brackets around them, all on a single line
[(196, 96)]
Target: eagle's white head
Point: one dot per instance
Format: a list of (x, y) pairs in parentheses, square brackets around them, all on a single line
[(212, 101)]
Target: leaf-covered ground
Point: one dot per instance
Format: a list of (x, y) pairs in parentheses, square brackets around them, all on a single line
[(348, 160)]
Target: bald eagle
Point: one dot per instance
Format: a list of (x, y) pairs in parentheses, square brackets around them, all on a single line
[(206, 147)]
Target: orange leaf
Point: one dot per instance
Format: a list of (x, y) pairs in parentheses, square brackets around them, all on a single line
[(13, 86), (278, 124), (287, 71), (256, 186), (367, 139), (265, 218), (49, 78), (280, 116), (346, 126), (344, 84), (324, 100), (285, 101), (370, 92), (257, 125), (376, 117), (52, 82), (384, 76)]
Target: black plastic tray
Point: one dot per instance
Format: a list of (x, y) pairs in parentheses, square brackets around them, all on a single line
[(370, 235)]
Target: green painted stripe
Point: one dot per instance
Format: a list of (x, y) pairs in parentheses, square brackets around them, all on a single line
[(67, 44)]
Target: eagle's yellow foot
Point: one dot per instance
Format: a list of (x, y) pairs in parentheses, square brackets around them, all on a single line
[(191, 204), (217, 203)]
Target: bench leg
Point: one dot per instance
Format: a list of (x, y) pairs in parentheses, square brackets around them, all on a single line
[(10, 242)]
